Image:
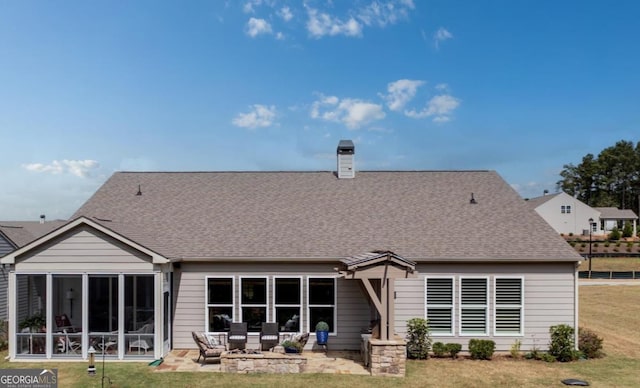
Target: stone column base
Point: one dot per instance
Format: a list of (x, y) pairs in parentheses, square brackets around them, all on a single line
[(388, 358)]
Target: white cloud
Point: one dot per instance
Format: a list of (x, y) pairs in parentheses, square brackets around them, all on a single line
[(440, 36), (401, 92), (353, 113), (260, 116), (257, 27), (439, 107), (279, 36), (382, 13), (285, 13), (321, 24), (442, 87), (248, 6), (79, 168)]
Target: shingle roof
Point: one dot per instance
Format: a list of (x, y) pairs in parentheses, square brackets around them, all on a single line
[(418, 214), (23, 232), (537, 201), (613, 213)]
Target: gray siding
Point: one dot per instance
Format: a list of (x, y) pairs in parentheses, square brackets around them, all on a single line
[(5, 247), (84, 249), (352, 307), (549, 299)]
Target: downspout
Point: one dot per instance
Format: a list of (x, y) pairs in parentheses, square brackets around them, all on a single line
[(575, 303)]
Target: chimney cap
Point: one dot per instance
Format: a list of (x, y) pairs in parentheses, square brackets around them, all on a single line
[(346, 147)]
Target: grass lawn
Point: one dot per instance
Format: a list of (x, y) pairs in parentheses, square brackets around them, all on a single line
[(612, 264), (611, 311)]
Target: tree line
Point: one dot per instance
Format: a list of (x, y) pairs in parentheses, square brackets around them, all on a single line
[(612, 179)]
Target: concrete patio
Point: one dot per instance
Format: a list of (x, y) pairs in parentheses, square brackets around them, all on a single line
[(337, 362)]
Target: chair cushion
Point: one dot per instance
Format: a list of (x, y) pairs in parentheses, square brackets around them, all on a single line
[(269, 337), (301, 338), (237, 337), (212, 340)]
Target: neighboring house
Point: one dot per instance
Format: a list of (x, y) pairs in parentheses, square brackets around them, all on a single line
[(154, 256), (569, 215), (611, 217), (14, 234)]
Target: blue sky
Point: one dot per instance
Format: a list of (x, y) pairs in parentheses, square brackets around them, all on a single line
[(520, 87)]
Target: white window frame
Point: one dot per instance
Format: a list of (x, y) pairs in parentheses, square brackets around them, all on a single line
[(334, 330), (266, 297), (206, 299), (275, 305), (441, 306), (474, 306), (508, 306)]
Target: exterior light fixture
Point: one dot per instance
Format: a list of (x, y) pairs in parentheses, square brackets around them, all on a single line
[(91, 370)]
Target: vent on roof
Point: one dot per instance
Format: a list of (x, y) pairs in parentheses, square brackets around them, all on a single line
[(473, 200), (42, 218), (346, 165), (139, 191)]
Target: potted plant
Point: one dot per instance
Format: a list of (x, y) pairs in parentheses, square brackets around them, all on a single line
[(322, 332), (291, 346), (34, 323)]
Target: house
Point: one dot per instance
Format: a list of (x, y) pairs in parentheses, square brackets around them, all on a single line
[(153, 256), (611, 217), (569, 215), (14, 234)]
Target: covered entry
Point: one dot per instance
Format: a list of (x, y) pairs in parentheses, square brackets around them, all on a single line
[(377, 272)]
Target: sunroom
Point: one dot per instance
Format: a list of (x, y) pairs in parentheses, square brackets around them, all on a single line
[(85, 287)]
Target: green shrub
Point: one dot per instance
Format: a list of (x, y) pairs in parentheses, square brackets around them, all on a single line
[(562, 345), (618, 244), (481, 349), (595, 244), (570, 234), (453, 349), (627, 230), (515, 349), (546, 357), (606, 244), (572, 243), (322, 326), (418, 338), (439, 349), (615, 234), (583, 245), (589, 343), (290, 344)]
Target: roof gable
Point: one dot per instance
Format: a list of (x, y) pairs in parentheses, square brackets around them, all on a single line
[(11, 257)]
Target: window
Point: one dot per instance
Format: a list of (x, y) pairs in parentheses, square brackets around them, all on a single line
[(439, 304), (508, 306), (565, 209), (219, 304), (473, 306), (253, 302), (287, 303), (322, 302)]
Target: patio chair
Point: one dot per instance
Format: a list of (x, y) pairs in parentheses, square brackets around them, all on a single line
[(144, 342), (269, 335), (63, 323), (68, 345), (207, 350), (237, 335)]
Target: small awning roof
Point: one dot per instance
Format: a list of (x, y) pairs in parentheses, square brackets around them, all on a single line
[(377, 257)]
